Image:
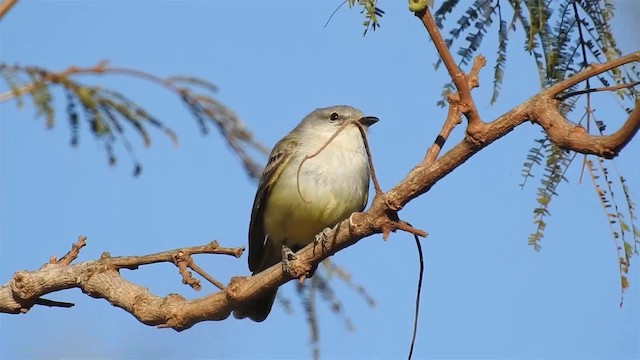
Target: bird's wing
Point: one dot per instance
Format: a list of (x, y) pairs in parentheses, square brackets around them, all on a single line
[(278, 160)]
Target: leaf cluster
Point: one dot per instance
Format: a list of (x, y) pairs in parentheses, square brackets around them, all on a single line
[(372, 13)]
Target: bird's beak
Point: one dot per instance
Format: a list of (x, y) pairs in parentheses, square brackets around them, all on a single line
[(368, 120)]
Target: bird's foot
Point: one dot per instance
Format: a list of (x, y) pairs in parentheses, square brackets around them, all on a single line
[(321, 237), (287, 256)]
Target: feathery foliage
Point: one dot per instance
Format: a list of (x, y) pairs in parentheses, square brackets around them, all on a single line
[(563, 37), (372, 13), (107, 113)]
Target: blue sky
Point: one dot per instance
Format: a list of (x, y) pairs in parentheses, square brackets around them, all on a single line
[(486, 293)]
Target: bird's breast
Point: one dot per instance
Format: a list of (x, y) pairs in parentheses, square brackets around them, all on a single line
[(323, 191)]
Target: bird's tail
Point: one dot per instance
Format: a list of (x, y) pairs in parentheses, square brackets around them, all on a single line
[(258, 309)]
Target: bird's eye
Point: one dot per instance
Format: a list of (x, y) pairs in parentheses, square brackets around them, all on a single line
[(334, 116)]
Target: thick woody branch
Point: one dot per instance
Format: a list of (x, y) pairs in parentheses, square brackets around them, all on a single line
[(541, 109), (101, 279), (574, 137)]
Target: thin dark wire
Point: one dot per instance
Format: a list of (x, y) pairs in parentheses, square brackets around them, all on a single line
[(417, 312)]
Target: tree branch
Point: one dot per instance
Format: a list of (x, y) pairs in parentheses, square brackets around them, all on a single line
[(575, 137), (102, 106), (101, 279), (604, 88), (5, 6), (460, 79), (453, 116), (537, 109)]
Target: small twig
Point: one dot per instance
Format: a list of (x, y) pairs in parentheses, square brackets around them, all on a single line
[(71, 254), (168, 256), (372, 171), (452, 120), (363, 133), (472, 79), (460, 80), (592, 90), (100, 68), (591, 71), (308, 157), (205, 275), (181, 260), (406, 227), (453, 115)]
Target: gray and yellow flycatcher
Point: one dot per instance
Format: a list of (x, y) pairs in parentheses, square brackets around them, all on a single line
[(291, 207)]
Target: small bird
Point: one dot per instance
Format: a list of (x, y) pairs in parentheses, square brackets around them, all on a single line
[(291, 207)]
